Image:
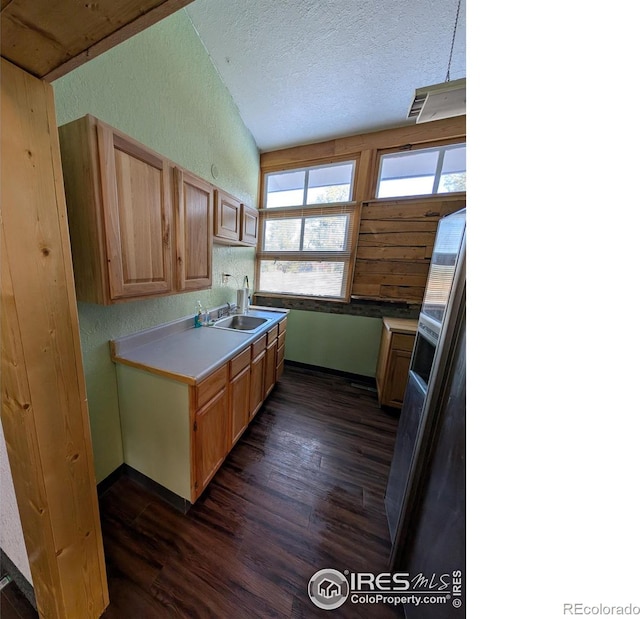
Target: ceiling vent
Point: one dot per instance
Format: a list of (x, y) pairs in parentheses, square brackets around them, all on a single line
[(439, 101)]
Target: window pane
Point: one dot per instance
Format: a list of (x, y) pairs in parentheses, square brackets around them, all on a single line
[(333, 193), (325, 233), (330, 184), (454, 170), (397, 188), (453, 182), (282, 234), (414, 173), (285, 189), (318, 279), (407, 174)]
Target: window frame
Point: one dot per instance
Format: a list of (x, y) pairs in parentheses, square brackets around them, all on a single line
[(347, 256), (306, 168), (309, 209), (414, 148)]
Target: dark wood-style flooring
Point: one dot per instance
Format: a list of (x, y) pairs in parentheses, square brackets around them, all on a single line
[(14, 605), (302, 490)]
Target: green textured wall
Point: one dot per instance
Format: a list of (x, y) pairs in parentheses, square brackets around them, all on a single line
[(160, 88), (337, 341)]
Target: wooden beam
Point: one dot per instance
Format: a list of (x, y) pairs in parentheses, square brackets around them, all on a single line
[(49, 39), (449, 129), (44, 402)]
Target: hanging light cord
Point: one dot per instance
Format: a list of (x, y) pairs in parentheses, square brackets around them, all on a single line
[(453, 40)]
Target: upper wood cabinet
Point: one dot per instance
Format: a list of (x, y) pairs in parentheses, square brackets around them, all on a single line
[(248, 225), (194, 201), (137, 216), (226, 225), (234, 223), (139, 225)]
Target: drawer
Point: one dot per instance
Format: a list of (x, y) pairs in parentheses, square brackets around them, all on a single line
[(282, 326), (241, 361), (272, 334), (281, 339), (401, 341), (211, 385), (258, 346), (280, 355)]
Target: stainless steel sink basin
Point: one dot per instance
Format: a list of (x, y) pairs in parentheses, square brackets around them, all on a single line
[(240, 323)]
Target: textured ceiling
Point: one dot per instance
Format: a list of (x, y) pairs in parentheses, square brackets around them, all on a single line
[(303, 71)]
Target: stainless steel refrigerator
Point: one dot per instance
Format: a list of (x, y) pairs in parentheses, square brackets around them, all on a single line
[(425, 497)]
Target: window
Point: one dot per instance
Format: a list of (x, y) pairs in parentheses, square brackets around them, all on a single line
[(307, 232), (306, 251), (423, 172), (313, 185)]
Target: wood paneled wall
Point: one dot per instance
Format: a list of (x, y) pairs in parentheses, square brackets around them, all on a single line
[(395, 239), (395, 244)]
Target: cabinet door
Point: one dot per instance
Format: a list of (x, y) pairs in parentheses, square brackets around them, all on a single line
[(194, 221), (257, 383), (227, 217), (280, 358), (249, 229), (239, 395), (138, 216), (211, 439), (270, 367), (399, 361)]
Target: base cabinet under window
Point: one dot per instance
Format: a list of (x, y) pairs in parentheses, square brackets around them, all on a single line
[(394, 358), (178, 434)]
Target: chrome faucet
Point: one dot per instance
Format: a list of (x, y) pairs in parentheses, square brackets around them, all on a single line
[(224, 311)]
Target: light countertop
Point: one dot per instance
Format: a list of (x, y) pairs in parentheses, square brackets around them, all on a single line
[(180, 351), (401, 325)]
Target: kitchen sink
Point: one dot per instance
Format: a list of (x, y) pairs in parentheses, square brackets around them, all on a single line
[(240, 323)]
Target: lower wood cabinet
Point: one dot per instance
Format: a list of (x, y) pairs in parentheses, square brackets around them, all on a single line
[(179, 434), (258, 356), (282, 331), (210, 438), (239, 394), (270, 361), (394, 358)]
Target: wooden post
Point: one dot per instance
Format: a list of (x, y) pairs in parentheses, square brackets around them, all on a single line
[(44, 402)]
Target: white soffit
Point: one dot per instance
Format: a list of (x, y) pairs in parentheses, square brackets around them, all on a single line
[(302, 71)]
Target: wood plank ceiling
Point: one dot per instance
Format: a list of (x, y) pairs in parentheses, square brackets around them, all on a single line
[(49, 39)]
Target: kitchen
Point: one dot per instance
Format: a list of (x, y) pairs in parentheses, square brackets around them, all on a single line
[(153, 114)]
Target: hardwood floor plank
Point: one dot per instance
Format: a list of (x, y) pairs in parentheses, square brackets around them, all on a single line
[(302, 490), (14, 605)]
